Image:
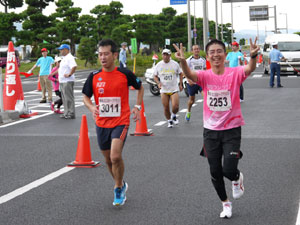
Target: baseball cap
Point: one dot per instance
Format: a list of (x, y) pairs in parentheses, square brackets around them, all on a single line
[(63, 46), (166, 51), (44, 50), (57, 59), (274, 43), (235, 43), (123, 43)]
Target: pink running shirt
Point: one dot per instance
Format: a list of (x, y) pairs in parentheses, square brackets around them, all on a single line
[(221, 105)]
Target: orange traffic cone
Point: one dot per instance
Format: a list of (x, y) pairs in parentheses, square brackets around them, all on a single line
[(39, 85), (260, 59), (12, 90), (83, 155), (141, 125)]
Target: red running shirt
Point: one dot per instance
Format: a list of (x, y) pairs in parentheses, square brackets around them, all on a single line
[(111, 94)]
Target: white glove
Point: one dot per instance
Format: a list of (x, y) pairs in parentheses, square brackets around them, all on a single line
[(124, 65), (29, 71)]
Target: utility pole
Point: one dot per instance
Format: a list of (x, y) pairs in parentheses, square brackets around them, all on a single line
[(222, 37), (195, 29), (275, 19), (189, 27), (217, 32), (205, 24), (231, 22)]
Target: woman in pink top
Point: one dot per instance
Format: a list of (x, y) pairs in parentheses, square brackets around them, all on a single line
[(222, 116), (53, 76)]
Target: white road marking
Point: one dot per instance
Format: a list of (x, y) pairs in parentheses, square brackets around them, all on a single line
[(257, 75), (292, 76), (200, 100), (298, 217), (160, 123), (24, 120), (34, 184), (194, 105), (183, 110)]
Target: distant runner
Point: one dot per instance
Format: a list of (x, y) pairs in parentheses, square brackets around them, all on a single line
[(166, 74), (222, 117), (195, 62)]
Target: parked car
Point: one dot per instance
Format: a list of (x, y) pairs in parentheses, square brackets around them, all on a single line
[(289, 45), (3, 57)]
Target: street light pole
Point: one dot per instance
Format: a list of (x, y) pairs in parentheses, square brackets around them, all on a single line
[(205, 24), (222, 38), (217, 32), (231, 22), (189, 26)]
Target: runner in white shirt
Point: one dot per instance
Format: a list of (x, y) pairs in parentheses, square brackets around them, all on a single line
[(166, 74), (195, 62)]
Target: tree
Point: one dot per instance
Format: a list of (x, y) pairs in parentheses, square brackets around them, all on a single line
[(108, 18), (12, 4), (7, 28), (35, 22), (242, 41), (87, 50), (68, 27)]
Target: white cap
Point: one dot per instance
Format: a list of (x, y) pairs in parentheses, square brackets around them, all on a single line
[(57, 59), (274, 43), (166, 51)]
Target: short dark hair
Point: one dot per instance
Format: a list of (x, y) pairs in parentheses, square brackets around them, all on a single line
[(108, 42), (212, 42)]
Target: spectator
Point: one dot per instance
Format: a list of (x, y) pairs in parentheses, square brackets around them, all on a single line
[(66, 81), (44, 63), (122, 55)]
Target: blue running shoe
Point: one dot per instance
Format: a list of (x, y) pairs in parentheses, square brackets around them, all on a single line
[(120, 195), (118, 200)]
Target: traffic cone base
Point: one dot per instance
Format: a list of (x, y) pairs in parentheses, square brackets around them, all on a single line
[(29, 115), (88, 165), (83, 154)]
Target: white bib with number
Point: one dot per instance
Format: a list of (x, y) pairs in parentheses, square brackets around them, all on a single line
[(218, 100), (168, 77), (109, 106)]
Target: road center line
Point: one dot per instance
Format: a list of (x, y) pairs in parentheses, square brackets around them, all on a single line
[(298, 217), (34, 184)]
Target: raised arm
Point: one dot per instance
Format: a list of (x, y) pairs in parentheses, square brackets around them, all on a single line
[(192, 75), (253, 54)]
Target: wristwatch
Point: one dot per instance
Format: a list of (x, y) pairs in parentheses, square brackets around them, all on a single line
[(139, 107)]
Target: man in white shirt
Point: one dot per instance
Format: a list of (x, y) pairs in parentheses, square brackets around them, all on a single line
[(66, 78), (195, 62), (166, 73)]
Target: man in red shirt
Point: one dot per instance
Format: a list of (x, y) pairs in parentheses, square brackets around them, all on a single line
[(111, 111)]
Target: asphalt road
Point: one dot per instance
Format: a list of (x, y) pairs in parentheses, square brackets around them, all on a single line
[(169, 182)]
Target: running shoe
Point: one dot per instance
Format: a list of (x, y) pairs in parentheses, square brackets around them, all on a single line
[(118, 197), (188, 116), (175, 120), (238, 187), (124, 189), (58, 111), (170, 123), (227, 210), (52, 106)]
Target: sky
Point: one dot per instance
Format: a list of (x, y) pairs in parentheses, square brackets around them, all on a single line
[(289, 9)]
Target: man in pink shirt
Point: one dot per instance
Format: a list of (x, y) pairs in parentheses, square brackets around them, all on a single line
[(222, 116)]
